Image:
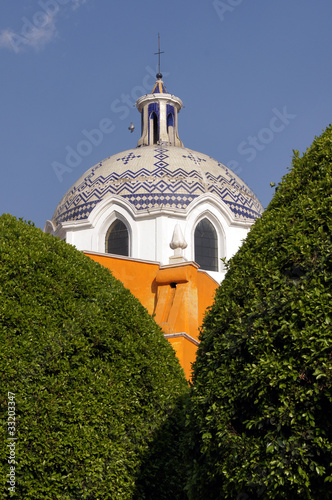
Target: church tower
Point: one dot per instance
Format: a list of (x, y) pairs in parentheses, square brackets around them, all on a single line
[(161, 217)]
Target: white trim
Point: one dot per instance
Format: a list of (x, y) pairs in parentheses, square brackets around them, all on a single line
[(49, 227), (103, 206), (122, 257), (151, 98), (210, 273), (180, 264), (102, 217), (184, 335)]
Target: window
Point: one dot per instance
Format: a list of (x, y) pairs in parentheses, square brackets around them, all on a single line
[(117, 240), (154, 115), (154, 118), (170, 121), (170, 128), (206, 246)]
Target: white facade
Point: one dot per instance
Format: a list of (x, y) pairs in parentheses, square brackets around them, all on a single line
[(150, 234)]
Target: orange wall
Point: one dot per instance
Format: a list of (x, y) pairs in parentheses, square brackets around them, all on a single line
[(136, 275), (186, 353), (206, 287), (178, 295)]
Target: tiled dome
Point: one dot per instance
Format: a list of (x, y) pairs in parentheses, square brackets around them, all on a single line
[(157, 176)]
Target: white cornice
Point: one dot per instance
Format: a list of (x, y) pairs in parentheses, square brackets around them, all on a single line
[(169, 98)]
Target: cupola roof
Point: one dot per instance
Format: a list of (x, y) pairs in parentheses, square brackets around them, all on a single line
[(159, 87)]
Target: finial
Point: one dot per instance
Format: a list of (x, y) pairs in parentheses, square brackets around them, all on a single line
[(158, 75), (178, 244)]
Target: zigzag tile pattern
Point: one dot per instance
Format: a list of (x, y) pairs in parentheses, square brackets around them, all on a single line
[(152, 177)]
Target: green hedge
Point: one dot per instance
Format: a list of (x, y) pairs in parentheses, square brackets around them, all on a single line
[(93, 377), (260, 422)]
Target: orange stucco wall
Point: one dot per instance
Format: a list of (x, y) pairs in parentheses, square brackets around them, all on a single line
[(186, 353), (136, 275), (206, 291), (177, 295)]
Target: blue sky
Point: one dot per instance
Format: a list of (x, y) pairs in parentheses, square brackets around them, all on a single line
[(254, 77)]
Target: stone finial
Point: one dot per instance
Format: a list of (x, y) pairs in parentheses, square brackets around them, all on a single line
[(178, 244)]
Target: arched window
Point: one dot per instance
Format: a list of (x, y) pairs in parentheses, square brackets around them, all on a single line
[(117, 239), (170, 128), (206, 246), (170, 120), (155, 128)]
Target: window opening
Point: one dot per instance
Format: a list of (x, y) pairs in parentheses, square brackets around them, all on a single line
[(170, 121), (155, 128), (206, 246), (117, 239)]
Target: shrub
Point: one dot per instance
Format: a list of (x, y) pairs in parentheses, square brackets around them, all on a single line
[(94, 379), (262, 402)]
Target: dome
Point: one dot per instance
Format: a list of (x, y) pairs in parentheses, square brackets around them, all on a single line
[(159, 202), (158, 177)]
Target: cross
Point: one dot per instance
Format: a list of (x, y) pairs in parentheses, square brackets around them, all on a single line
[(159, 75)]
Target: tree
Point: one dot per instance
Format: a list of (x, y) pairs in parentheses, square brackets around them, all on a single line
[(260, 421), (90, 376)]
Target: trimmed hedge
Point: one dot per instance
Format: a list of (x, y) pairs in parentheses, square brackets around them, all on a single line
[(260, 421), (94, 379)]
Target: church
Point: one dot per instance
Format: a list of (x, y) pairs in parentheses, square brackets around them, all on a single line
[(161, 217)]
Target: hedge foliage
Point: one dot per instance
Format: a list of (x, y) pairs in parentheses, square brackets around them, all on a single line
[(93, 377), (260, 421)]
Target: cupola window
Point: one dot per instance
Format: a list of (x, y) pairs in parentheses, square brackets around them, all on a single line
[(117, 239), (170, 124), (170, 120), (154, 114), (155, 128), (206, 246)]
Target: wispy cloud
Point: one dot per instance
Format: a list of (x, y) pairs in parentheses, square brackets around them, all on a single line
[(7, 39), (35, 37), (37, 32), (41, 36), (78, 3)]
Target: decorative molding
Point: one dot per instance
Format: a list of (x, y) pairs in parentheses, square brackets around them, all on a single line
[(184, 335)]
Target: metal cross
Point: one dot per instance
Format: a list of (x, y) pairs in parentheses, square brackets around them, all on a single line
[(158, 53)]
